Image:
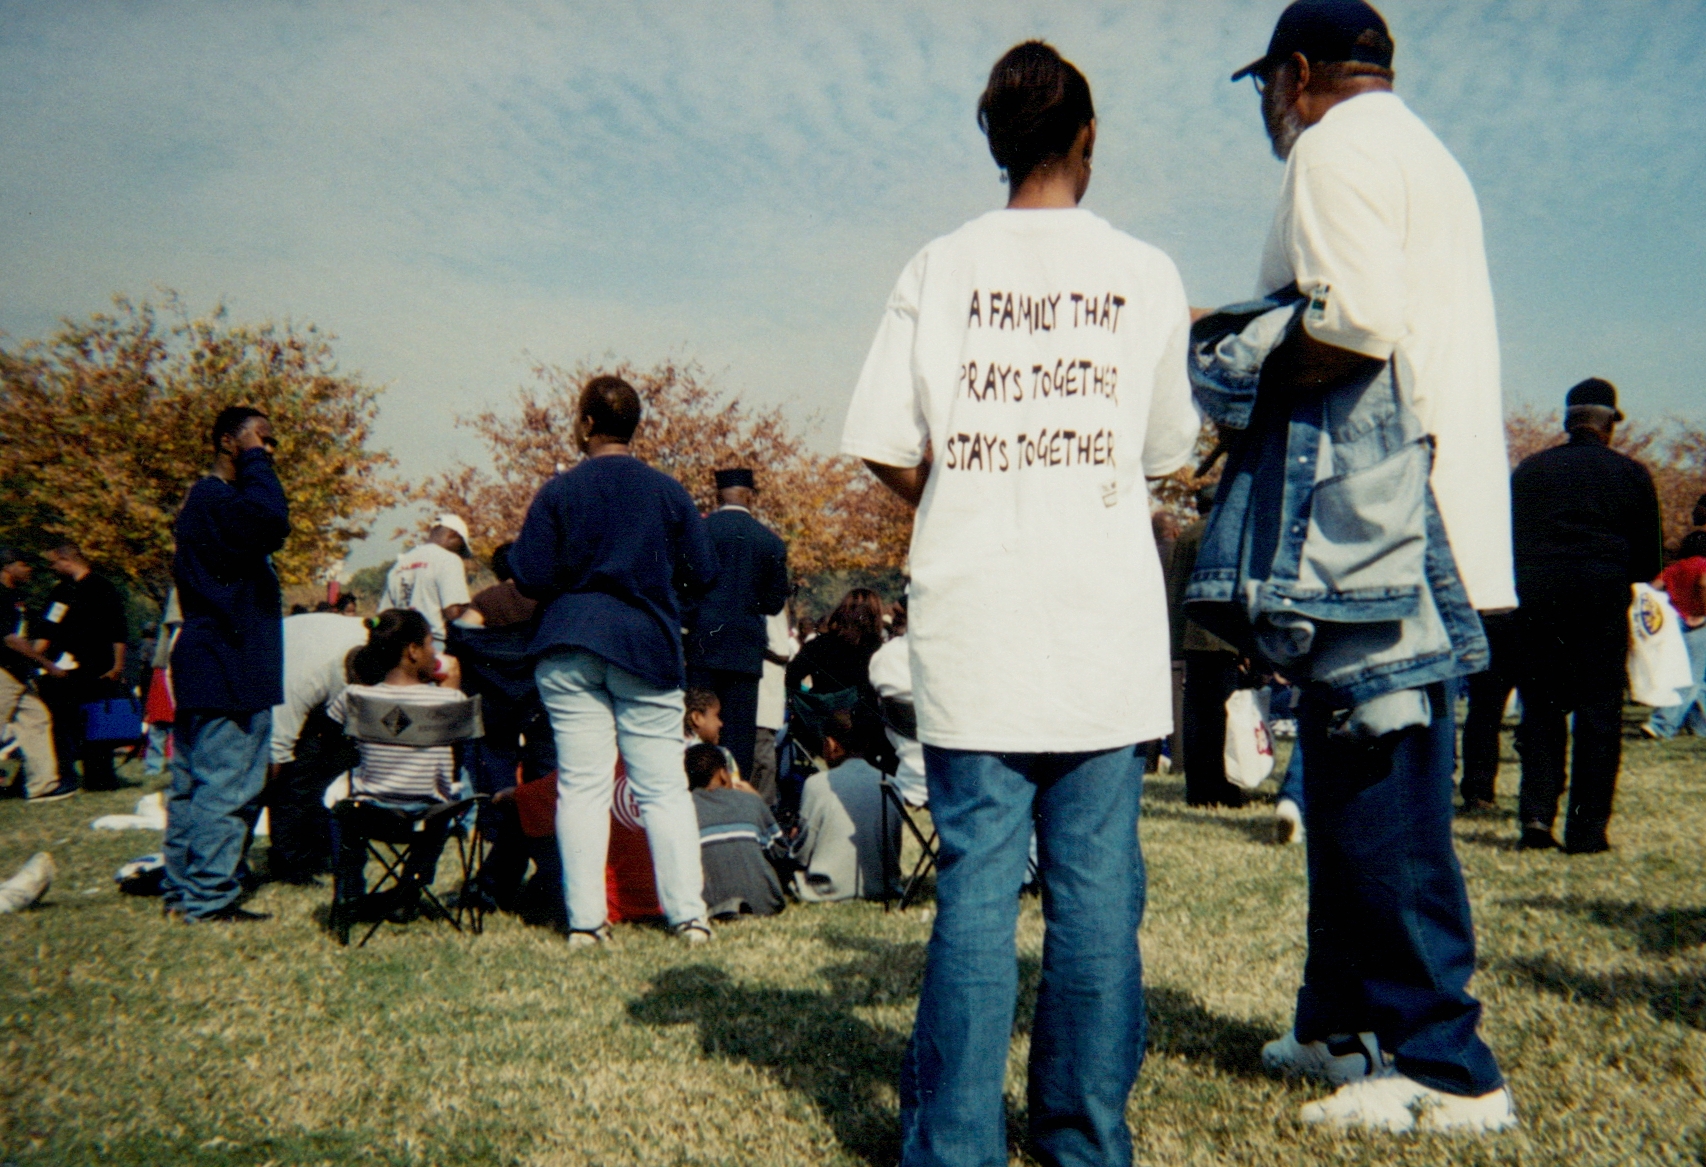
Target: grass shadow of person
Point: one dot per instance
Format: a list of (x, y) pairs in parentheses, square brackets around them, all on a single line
[(1181, 1026), (811, 1042), (1678, 997), (1256, 830), (1657, 931)]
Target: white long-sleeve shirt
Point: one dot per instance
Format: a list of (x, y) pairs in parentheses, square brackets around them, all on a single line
[(315, 644)]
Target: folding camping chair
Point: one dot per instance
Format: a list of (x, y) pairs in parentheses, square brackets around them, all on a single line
[(400, 836)]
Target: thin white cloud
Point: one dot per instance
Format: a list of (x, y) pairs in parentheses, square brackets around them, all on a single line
[(455, 189)]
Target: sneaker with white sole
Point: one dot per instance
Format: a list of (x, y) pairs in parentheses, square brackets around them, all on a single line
[(1389, 1101), (1288, 822), (1340, 1059)]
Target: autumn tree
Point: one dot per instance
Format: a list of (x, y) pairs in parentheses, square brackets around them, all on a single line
[(1673, 451), (106, 428), (833, 515)]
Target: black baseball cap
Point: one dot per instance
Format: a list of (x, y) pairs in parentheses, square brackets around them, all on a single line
[(1593, 391), (1326, 30)]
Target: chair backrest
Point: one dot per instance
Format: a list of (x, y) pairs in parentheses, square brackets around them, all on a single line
[(375, 719)]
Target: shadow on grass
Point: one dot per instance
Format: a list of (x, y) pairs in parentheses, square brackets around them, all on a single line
[(1494, 840), (1659, 932), (813, 1043), (809, 1042), (1678, 997), (1256, 830)]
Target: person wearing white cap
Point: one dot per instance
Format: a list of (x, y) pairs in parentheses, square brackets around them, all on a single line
[(431, 578)]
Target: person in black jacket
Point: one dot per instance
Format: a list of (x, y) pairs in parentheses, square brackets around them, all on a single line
[(86, 629), (726, 650), (227, 667), (1586, 526)]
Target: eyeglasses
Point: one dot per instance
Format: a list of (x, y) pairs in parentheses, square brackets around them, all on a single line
[(1261, 82)]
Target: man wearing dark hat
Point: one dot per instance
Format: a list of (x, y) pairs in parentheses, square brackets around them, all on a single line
[(1587, 527), (725, 652), (1380, 230)]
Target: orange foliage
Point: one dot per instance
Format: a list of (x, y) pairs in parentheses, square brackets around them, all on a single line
[(829, 510), (106, 428)]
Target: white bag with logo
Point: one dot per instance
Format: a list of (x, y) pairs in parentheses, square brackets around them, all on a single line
[(1658, 658), (1249, 753)]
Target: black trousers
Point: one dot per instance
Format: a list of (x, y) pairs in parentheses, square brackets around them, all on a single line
[(1489, 693), (1210, 678), (65, 698), (738, 694), (1574, 653), (301, 840)]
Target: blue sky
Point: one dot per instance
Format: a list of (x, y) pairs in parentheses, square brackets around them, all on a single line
[(457, 191)]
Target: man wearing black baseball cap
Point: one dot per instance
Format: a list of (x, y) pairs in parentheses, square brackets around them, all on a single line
[(725, 652), (1587, 527), (1379, 229)]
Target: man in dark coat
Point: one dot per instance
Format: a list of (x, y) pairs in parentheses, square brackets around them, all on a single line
[(87, 632), (726, 650), (227, 667), (1585, 522)]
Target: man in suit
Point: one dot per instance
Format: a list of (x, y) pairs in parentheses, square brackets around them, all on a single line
[(1586, 525), (726, 650)]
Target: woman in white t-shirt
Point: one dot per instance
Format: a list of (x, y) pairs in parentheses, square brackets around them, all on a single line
[(1027, 376)]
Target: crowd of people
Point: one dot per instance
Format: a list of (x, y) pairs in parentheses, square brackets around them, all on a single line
[(635, 718)]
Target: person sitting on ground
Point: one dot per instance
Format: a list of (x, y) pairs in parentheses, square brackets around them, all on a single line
[(736, 831), (395, 666), (840, 848), (703, 723)]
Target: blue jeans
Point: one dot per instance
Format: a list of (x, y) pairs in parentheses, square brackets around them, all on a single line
[(219, 767), (1690, 711), (1291, 785), (1391, 942), (596, 709), (1088, 1035), (154, 761)]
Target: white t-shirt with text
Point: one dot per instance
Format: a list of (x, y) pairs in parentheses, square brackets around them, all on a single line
[(1378, 224), (1040, 356), (428, 579)]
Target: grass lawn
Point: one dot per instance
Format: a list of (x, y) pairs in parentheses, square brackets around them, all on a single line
[(128, 1040)]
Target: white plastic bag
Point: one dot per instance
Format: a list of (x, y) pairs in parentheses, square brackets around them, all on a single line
[(1658, 658), (1249, 753)]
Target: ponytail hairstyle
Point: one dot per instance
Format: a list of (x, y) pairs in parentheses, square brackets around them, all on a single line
[(388, 634), (1032, 109)]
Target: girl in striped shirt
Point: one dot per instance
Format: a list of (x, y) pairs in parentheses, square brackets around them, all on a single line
[(397, 665)]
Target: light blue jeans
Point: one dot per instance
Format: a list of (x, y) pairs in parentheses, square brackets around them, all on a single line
[(219, 766), (596, 710), (1087, 1037), (1691, 710)]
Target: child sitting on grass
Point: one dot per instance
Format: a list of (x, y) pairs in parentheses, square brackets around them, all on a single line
[(736, 831), (703, 723), (840, 847), (395, 667)]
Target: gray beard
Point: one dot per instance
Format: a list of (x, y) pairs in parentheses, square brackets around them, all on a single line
[(1285, 135)]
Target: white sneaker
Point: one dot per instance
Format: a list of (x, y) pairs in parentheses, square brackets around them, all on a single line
[(29, 885), (1340, 1059), (1288, 822), (1389, 1101)]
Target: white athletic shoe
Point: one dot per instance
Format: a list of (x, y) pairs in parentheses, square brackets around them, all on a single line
[(29, 885), (1388, 1101), (1340, 1059), (1288, 822)]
